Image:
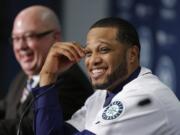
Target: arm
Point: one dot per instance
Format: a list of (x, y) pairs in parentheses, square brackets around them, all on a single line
[(48, 114), (71, 87), (61, 57)]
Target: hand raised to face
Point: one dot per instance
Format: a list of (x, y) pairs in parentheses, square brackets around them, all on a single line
[(61, 57)]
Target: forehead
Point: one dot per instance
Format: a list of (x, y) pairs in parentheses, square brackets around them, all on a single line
[(27, 23), (100, 35)]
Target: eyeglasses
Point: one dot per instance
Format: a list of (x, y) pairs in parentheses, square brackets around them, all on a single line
[(30, 36)]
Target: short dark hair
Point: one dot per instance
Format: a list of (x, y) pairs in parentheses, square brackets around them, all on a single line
[(126, 32)]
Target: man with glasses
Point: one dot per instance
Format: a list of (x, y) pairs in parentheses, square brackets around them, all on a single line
[(35, 30)]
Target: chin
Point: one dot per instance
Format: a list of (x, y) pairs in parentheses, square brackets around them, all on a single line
[(100, 85), (30, 72)]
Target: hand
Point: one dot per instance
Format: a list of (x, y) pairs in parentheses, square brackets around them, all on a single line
[(61, 57)]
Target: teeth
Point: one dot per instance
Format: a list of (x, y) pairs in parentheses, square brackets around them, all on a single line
[(27, 52), (25, 55), (97, 72)]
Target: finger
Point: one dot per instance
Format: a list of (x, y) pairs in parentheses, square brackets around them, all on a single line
[(76, 51), (79, 49), (59, 51), (85, 51), (67, 53)]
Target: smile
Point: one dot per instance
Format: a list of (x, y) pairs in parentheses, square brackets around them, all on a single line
[(97, 73), (26, 56)]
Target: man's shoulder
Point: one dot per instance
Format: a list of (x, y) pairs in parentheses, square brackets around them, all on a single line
[(18, 80), (75, 71), (75, 78), (17, 84)]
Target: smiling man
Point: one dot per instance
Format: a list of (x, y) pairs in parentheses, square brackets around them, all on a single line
[(130, 100), (35, 30), (104, 70)]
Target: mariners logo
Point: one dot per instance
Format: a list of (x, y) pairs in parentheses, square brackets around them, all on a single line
[(113, 110)]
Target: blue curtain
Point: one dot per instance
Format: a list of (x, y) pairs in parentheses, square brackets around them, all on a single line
[(157, 23)]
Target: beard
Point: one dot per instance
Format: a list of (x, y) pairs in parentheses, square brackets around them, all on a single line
[(120, 72)]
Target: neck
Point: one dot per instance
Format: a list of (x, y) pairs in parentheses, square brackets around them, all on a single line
[(122, 81)]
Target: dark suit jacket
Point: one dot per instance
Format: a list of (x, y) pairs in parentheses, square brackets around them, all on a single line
[(74, 88)]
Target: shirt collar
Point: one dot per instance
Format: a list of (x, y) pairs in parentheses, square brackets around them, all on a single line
[(130, 78), (35, 81)]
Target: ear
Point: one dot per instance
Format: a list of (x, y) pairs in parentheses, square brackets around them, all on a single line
[(133, 54)]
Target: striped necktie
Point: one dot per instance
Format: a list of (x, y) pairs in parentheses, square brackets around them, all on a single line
[(29, 85), (27, 90)]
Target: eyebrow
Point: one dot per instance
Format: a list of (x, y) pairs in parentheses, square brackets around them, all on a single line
[(101, 42)]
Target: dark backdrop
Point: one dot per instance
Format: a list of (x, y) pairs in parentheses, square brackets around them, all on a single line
[(157, 22)]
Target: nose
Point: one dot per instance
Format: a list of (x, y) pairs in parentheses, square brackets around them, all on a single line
[(95, 60), (21, 44)]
